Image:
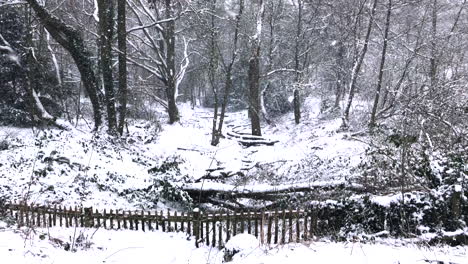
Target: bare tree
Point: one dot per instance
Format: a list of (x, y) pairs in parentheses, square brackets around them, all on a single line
[(71, 40), (158, 54), (382, 65), (227, 68), (357, 67)]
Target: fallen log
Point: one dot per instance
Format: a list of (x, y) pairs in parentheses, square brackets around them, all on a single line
[(212, 192)]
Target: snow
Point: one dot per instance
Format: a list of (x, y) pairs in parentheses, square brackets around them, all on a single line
[(242, 242), (96, 171), (81, 168), (106, 246)]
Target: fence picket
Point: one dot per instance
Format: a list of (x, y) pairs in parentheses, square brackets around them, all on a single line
[(270, 219), (228, 231), (168, 221), (290, 226), (207, 227), (298, 231), (163, 226), (182, 220), (143, 221), (220, 232), (213, 223), (276, 227), (283, 231), (242, 218), (234, 224), (306, 233)]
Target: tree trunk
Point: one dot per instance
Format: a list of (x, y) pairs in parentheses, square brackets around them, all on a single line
[(339, 91), (122, 45), (228, 82), (254, 76), (433, 56), (171, 89), (297, 106), (357, 68), (382, 65), (254, 97), (71, 40), (106, 26)]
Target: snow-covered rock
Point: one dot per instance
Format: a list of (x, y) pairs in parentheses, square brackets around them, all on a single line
[(241, 245)]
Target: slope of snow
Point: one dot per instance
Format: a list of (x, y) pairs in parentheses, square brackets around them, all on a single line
[(78, 167)]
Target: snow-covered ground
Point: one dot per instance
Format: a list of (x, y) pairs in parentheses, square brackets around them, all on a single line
[(80, 168), (105, 246)]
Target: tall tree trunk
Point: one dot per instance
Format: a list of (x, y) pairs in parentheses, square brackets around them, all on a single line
[(106, 25), (357, 68), (254, 75), (228, 81), (382, 65), (171, 89), (433, 56), (213, 65), (71, 40), (254, 89), (296, 101), (339, 92), (122, 45)]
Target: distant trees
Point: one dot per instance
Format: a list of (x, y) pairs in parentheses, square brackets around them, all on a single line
[(400, 57), (156, 48)]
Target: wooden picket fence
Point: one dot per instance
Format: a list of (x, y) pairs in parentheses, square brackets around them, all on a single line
[(212, 229)]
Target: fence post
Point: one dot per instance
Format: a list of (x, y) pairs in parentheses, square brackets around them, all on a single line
[(88, 217), (196, 225)]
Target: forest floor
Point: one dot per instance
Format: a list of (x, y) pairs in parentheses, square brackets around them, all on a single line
[(79, 168)]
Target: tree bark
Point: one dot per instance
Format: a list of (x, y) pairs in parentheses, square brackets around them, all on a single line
[(122, 45), (433, 56), (378, 89), (71, 40), (106, 26), (254, 75), (170, 53), (297, 103)]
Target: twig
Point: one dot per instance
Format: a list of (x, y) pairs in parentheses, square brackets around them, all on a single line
[(119, 251)]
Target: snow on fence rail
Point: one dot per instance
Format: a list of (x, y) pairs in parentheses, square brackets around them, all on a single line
[(271, 227)]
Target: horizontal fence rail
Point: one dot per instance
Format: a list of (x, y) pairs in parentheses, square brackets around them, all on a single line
[(212, 229)]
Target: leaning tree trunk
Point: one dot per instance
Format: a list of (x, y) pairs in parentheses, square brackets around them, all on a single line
[(122, 45), (228, 81), (71, 40), (372, 123), (357, 68), (106, 26)]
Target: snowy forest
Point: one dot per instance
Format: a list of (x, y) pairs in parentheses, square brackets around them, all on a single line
[(356, 110)]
